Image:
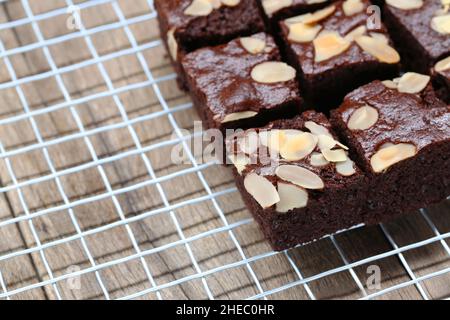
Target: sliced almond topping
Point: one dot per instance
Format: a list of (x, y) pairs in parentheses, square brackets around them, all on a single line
[(253, 45), (405, 4), (412, 82), (298, 146), (317, 129), (442, 65), (240, 161), (291, 197), (329, 44), (272, 6), (363, 118), (272, 72), (238, 116), (231, 3), (273, 139), (390, 84), (357, 32), (318, 160), (311, 18), (199, 8), (216, 3), (300, 32), (391, 155), (351, 7), (249, 142), (300, 176), (346, 168), (261, 189), (378, 48), (172, 44), (338, 155), (326, 142), (441, 24), (380, 36)]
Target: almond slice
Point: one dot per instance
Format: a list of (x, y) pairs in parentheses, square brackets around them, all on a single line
[(291, 197), (311, 18), (388, 156), (390, 84), (412, 82), (338, 155), (199, 8), (329, 44), (326, 142), (363, 118), (318, 160), (443, 65), (273, 139), (215, 3), (378, 48), (238, 116), (352, 7), (272, 6), (380, 36), (249, 143), (300, 176), (441, 24), (272, 72), (298, 146), (355, 33), (405, 4), (300, 32), (253, 45), (172, 44), (317, 129), (346, 168), (261, 189), (240, 161), (231, 3)]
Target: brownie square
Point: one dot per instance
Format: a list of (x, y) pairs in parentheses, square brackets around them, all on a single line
[(231, 84), (277, 10), (335, 51), (186, 25), (292, 190), (441, 79), (399, 133), (419, 43)]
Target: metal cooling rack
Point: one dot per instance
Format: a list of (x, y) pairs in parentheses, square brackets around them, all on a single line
[(51, 280)]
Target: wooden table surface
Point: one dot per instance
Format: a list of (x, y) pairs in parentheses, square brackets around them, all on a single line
[(197, 221)]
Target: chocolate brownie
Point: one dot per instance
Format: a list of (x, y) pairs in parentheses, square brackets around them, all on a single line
[(420, 30), (297, 180), (441, 78), (399, 133), (186, 25), (335, 50), (242, 83), (276, 10)]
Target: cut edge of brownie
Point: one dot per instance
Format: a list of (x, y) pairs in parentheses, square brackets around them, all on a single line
[(187, 43), (335, 208), (396, 192)]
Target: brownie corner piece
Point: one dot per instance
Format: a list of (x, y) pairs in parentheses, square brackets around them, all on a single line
[(420, 31), (242, 83), (399, 133), (186, 25), (441, 79), (297, 180), (335, 50)]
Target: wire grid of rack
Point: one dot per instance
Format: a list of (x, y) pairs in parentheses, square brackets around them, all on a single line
[(91, 206)]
